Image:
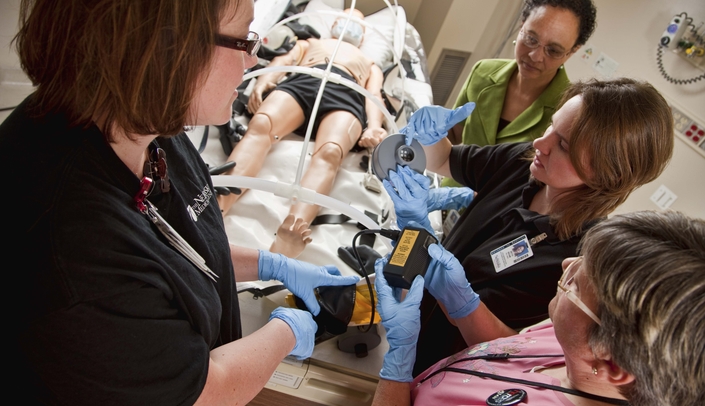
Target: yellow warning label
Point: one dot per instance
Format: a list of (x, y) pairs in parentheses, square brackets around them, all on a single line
[(404, 246)]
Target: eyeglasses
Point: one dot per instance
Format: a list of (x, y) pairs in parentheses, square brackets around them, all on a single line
[(550, 50), (250, 45), (565, 283)]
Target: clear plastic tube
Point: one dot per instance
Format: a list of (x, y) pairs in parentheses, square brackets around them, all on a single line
[(297, 193)]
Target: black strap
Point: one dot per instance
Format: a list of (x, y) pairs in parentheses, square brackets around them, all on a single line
[(258, 293), (330, 219), (367, 239), (491, 357)]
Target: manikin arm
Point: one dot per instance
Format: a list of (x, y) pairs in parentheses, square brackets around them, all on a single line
[(269, 81), (374, 133)]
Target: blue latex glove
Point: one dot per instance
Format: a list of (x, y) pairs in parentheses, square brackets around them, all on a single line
[(447, 198), (430, 124), (402, 322), (408, 190), (301, 278), (446, 281), (303, 326)]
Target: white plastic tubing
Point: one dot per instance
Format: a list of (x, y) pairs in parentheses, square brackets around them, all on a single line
[(294, 191)]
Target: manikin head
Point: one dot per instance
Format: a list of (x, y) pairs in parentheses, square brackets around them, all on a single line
[(354, 33)]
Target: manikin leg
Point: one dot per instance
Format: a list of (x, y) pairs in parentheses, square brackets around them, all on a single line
[(278, 116), (337, 134)]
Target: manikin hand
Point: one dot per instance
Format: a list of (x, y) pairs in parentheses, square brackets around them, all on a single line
[(430, 124), (371, 137), (256, 96), (446, 281), (402, 322), (301, 278), (408, 190)]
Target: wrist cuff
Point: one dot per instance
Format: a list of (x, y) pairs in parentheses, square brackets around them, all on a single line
[(468, 308)]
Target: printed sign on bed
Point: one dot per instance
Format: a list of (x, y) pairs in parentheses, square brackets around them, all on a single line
[(511, 253)]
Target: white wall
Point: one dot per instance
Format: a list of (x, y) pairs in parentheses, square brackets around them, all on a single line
[(9, 12), (627, 31)]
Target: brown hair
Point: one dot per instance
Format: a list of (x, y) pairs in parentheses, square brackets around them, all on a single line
[(648, 270), (133, 64), (621, 139)]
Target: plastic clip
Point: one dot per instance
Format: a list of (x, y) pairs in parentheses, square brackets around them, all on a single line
[(145, 187)]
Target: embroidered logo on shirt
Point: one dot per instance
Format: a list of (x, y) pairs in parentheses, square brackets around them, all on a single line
[(200, 203)]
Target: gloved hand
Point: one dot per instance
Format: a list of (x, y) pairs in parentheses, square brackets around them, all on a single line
[(446, 281), (408, 190), (447, 198), (430, 124), (300, 277), (303, 326), (402, 322)]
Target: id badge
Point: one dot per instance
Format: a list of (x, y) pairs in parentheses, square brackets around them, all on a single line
[(511, 253)]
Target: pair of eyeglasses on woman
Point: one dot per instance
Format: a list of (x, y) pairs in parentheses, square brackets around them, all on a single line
[(250, 45), (550, 50), (566, 285)]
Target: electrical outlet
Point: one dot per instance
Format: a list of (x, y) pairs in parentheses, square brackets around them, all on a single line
[(680, 121)]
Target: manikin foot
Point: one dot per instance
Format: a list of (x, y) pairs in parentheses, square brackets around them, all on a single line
[(292, 237)]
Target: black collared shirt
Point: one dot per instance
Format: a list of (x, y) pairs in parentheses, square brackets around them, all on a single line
[(105, 310), (518, 295)]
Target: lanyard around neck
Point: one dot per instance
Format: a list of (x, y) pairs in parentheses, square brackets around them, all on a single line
[(492, 357)]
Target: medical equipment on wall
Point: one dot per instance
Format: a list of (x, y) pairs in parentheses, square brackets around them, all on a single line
[(684, 39)]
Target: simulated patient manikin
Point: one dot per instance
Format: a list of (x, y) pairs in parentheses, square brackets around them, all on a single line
[(353, 34)]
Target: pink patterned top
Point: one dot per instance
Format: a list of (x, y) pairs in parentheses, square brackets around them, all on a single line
[(451, 388)]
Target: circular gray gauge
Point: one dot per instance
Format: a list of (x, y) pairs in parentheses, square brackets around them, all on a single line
[(393, 151)]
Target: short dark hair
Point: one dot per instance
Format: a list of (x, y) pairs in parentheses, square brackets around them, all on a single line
[(133, 64), (583, 9)]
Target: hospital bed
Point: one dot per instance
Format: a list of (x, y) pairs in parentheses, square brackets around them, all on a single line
[(253, 220), (330, 377)]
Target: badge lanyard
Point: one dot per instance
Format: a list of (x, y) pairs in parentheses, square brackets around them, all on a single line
[(542, 385), (147, 208)]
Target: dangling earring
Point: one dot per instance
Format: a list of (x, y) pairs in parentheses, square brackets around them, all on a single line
[(594, 371), (514, 42)]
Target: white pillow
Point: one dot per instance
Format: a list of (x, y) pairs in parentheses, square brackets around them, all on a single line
[(320, 22), (375, 46)]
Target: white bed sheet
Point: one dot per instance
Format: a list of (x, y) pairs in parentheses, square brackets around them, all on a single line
[(252, 221)]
